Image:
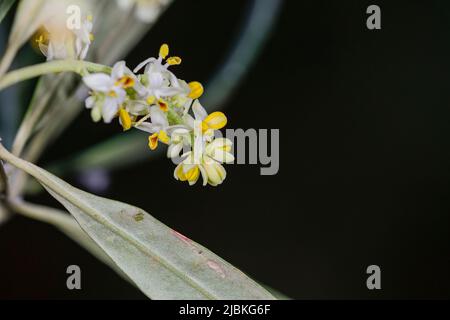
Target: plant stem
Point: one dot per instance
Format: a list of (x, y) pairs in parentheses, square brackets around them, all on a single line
[(77, 66), (3, 180), (7, 58), (5, 215), (66, 224), (33, 115), (40, 213), (4, 194)]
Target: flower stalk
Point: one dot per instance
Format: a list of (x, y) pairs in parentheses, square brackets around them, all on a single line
[(57, 66), (4, 187)]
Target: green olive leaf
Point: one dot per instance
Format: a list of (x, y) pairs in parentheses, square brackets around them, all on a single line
[(161, 262), (5, 5)]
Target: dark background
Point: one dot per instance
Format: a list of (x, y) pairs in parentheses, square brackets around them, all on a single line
[(364, 172)]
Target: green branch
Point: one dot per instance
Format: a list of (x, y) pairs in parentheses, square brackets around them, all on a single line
[(77, 66), (4, 187)]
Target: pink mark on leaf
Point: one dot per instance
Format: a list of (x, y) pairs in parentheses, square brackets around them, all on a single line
[(182, 237), (216, 267)]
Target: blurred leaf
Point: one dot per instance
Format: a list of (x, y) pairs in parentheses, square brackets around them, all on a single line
[(9, 105), (162, 263), (251, 39), (66, 224), (4, 214), (25, 24), (111, 154), (5, 5)]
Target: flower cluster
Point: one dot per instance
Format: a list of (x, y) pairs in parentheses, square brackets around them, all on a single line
[(158, 102)]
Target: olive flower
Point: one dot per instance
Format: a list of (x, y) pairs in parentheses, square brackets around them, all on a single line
[(109, 93)]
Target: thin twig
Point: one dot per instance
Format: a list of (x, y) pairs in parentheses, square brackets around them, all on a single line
[(4, 180), (32, 117), (56, 66), (66, 224)]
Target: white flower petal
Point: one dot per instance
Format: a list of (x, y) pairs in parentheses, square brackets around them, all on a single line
[(213, 175), (174, 150), (90, 102), (149, 127), (204, 175), (155, 80), (222, 172), (176, 170), (222, 156), (121, 95), (177, 131), (167, 91), (187, 155), (199, 112), (118, 70), (198, 148), (179, 86), (216, 172), (109, 110), (96, 113), (189, 121), (220, 143), (138, 108), (158, 116), (140, 89), (98, 82)]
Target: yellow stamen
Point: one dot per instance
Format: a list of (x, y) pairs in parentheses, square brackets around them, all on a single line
[(90, 18), (196, 90), (91, 36), (180, 174), (205, 127), (125, 119), (172, 61), (125, 82), (112, 93), (163, 137), (192, 174), (164, 51), (151, 100), (216, 120), (40, 39), (163, 105), (158, 136), (226, 148), (153, 141)]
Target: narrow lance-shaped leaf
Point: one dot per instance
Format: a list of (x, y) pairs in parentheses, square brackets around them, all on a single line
[(163, 263), (5, 5)]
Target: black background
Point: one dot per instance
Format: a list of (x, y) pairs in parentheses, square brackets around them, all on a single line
[(364, 166)]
